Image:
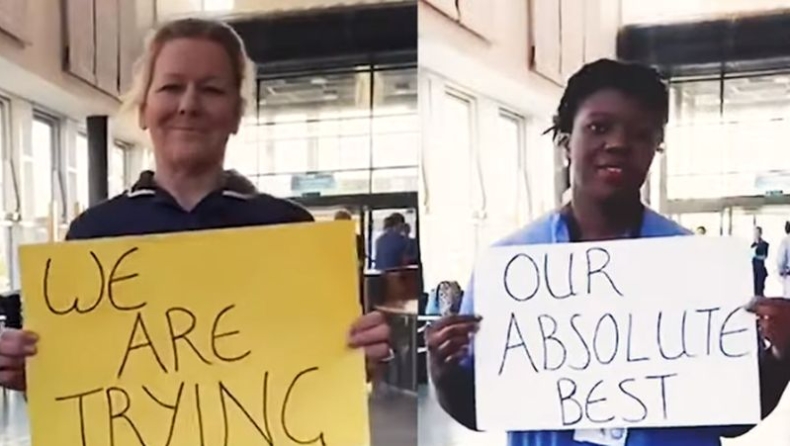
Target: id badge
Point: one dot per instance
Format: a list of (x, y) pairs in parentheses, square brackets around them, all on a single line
[(602, 437)]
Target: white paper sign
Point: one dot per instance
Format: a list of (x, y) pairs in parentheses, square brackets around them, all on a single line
[(631, 333)]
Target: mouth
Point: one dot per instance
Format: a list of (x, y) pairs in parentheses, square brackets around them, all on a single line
[(612, 173)]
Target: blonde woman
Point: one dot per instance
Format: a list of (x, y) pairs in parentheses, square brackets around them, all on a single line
[(189, 96)]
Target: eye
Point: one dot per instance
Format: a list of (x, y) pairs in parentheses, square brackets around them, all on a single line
[(170, 88), (599, 128), (214, 90)]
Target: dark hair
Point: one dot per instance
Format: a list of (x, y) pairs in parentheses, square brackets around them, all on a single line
[(394, 219), (638, 81)]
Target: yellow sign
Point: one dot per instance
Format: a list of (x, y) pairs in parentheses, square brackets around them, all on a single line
[(229, 337)]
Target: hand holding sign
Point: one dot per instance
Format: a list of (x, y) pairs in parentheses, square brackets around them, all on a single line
[(617, 335), (449, 338), (192, 339), (15, 347), (371, 333), (774, 322)]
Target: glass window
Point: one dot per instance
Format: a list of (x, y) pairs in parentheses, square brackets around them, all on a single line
[(449, 162), (290, 144), (39, 168), (719, 148), (500, 166), (117, 170), (344, 124), (81, 174)]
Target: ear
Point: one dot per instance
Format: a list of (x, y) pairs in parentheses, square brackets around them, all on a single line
[(141, 117), (237, 118), (563, 142)]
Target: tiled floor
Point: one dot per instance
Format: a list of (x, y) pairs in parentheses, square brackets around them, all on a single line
[(393, 420)]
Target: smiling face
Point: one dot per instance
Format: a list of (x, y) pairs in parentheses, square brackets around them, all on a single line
[(192, 104), (612, 145)]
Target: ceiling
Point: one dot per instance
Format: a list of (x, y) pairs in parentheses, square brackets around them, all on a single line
[(341, 90), (169, 9), (768, 93)]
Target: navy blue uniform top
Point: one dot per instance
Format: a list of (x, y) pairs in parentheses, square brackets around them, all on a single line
[(391, 250), (148, 209)]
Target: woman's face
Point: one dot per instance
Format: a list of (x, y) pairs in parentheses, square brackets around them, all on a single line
[(192, 105), (612, 144)]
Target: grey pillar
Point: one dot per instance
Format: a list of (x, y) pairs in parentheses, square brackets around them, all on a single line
[(98, 169)]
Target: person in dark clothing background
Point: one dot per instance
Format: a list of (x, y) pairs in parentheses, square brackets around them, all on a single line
[(412, 248), (342, 215), (391, 246), (760, 248)]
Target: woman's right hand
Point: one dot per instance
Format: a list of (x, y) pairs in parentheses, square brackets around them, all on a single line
[(15, 347), (449, 338)]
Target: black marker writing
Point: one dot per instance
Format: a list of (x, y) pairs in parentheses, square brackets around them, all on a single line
[(662, 379), (584, 344), (320, 438), (631, 395), (81, 409), (130, 346), (115, 414), (105, 285), (551, 337), (683, 347), (591, 401), (546, 270), (520, 344), (174, 407), (709, 338), (725, 333), (599, 269), (226, 394), (527, 260), (183, 335), (215, 336), (615, 343)]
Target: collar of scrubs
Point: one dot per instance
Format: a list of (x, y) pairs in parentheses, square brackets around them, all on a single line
[(567, 229)]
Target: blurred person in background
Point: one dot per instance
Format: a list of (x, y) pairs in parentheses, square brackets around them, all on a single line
[(392, 246), (760, 253)]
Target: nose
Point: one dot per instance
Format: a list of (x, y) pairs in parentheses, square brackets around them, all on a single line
[(618, 139), (189, 103)]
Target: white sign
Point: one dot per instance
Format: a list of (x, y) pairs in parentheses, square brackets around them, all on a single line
[(621, 334)]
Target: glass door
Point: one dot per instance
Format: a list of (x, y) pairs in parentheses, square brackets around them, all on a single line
[(713, 223)]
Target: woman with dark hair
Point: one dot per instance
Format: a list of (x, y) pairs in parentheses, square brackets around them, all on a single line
[(610, 124)]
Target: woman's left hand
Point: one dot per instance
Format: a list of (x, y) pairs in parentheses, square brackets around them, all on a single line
[(773, 316), (372, 333)]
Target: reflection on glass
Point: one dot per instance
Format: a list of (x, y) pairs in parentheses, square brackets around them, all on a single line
[(43, 138), (729, 147), (82, 190), (357, 127), (117, 165)]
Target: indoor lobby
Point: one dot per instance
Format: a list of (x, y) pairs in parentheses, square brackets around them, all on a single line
[(491, 77)]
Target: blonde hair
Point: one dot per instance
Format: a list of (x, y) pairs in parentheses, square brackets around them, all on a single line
[(190, 28)]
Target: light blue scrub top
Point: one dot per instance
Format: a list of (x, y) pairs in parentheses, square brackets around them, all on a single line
[(554, 229)]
